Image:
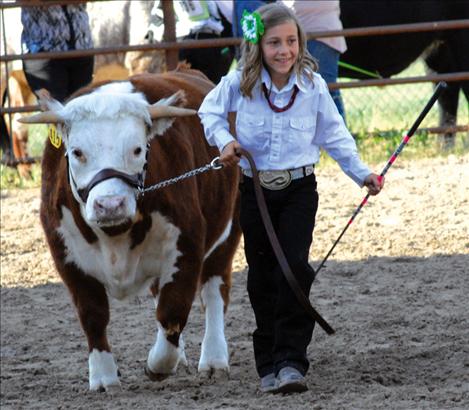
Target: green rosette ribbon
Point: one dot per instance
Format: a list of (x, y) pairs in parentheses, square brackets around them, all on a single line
[(252, 26)]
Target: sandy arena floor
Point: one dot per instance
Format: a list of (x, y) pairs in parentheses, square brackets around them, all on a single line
[(396, 291)]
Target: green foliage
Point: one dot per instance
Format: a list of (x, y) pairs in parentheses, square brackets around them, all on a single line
[(37, 138), (10, 178), (394, 107), (378, 148), (378, 117)]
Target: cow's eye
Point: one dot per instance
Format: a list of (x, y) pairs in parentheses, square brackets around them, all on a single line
[(137, 151), (78, 154)]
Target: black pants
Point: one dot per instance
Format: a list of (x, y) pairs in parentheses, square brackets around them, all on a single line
[(284, 329), (61, 77)]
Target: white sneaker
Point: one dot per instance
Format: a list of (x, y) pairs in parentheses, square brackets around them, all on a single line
[(290, 380), (268, 383)]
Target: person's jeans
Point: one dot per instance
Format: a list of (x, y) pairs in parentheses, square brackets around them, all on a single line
[(328, 59), (238, 7)]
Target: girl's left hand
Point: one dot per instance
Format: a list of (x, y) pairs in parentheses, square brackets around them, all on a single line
[(374, 183)]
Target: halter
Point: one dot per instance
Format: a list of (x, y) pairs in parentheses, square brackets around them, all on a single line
[(136, 181)]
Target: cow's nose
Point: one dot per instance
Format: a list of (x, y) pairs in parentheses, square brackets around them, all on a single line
[(108, 207)]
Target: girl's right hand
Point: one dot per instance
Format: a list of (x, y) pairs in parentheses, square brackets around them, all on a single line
[(229, 155)]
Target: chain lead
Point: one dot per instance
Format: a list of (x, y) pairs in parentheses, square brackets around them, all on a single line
[(214, 164)]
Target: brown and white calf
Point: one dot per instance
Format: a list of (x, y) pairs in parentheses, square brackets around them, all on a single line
[(107, 241)]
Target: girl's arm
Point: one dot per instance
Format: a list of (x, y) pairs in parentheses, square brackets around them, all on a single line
[(333, 136), (214, 111)]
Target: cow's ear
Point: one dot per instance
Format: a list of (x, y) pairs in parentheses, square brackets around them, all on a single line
[(164, 111), (49, 107), (46, 102), (160, 125), (178, 99)]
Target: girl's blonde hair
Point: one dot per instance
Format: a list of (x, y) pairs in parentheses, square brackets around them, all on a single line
[(251, 54)]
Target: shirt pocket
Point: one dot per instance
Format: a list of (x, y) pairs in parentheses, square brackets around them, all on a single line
[(303, 127), (250, 131)]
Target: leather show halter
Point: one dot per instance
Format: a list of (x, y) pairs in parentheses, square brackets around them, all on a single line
[(134, 181), (289, 276)]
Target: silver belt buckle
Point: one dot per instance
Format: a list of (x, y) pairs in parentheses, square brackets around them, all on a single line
[(275, 180)]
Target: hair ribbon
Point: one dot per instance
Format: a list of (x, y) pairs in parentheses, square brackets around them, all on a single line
[(252, 26)]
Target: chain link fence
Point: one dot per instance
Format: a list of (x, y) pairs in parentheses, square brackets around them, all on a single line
[(379, 110)]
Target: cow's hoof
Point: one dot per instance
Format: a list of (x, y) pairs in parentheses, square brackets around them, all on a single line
[(214, 374), (113, 388), (109, 388), (221, 374), (155, 377)]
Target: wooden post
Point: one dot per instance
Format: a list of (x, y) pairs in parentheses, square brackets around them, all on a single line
[(169, 34)]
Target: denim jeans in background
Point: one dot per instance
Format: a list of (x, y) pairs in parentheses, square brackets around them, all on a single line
[(238, 7), (328, 59)]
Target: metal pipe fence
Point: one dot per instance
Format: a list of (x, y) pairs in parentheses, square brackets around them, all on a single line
[(172, 47)]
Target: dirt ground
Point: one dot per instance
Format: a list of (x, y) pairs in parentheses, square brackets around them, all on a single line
[(396, 291)]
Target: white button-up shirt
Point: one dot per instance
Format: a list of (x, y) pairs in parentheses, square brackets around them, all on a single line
[(285, 140)]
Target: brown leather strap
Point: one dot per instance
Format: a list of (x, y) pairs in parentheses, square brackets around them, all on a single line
[(282, 260), (108, 173)]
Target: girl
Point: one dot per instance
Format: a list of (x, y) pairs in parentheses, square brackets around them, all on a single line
[(285, 114)]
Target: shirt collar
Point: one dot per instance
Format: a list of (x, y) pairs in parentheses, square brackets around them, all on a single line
[(292, 81)]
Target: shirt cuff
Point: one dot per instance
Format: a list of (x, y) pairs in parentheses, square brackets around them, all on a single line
[(359, 175), (223, 138)]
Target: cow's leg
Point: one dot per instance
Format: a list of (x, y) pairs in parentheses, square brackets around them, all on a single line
[(19, 92), (442, 59), (174, 302), (90, 299), (448, 109), (214, 352), (215, 290), (20, 149)]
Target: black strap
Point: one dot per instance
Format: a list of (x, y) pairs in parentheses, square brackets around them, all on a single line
[(108, 173)]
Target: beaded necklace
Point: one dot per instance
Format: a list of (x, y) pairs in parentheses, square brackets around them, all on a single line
[(272, 106)]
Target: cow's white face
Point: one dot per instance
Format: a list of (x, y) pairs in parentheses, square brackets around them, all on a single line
[(106, 134), (107, 129), (97, 144)]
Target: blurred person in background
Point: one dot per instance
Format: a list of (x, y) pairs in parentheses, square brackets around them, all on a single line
[(57, 28), (207, 20), (322, 15), (239, 6)]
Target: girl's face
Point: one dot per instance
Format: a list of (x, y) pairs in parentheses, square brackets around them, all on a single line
[(280, 47)]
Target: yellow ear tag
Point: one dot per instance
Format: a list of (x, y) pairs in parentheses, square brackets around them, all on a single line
[(54, 136)]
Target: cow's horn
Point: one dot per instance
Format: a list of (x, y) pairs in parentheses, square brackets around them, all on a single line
[(46, 117), (158, 111)]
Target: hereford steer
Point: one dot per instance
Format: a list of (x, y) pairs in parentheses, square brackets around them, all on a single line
[(107, 240)]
